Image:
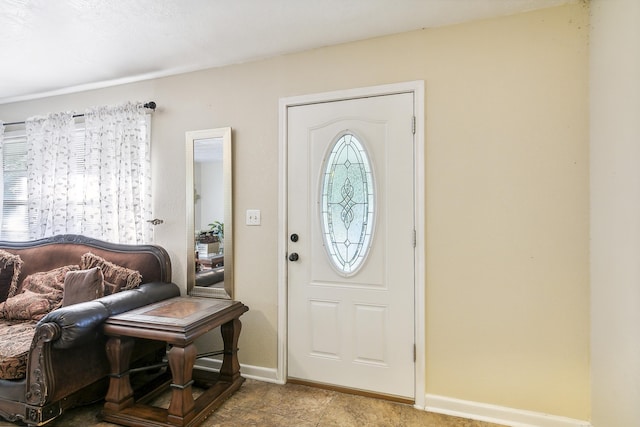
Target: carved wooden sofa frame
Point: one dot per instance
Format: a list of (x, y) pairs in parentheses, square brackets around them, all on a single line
[(67, 364)]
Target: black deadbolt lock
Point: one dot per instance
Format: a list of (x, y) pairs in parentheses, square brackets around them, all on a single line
[(294, 237)]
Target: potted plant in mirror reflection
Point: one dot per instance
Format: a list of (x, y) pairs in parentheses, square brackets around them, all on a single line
[(217, 228)]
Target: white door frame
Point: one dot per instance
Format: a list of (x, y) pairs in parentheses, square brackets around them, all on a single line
[(417, 88)]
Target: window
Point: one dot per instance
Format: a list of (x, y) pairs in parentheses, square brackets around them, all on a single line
[(347, 204), (100, 185)]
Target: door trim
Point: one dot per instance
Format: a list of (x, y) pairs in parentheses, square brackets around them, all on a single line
[(417, 88)]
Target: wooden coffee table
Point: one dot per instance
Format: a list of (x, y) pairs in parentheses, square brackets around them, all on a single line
[(178, 322)]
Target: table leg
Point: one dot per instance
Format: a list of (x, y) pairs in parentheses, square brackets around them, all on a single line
[(120, 393), (230, 369), (181, 361)]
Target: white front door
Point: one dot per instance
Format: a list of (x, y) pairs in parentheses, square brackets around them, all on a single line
[(350, 198)]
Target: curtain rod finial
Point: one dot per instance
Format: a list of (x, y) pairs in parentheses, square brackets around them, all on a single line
[(151, 105)]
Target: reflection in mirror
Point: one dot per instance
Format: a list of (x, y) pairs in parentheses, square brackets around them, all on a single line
[(209, 213)]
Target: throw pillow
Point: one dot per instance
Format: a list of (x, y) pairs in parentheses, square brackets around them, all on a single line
[(27, 305), (48, 284), (83, 285), (116, 278), (10, 266)]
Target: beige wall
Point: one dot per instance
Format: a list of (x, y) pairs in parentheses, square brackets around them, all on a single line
[(507, 292), (615, 210)]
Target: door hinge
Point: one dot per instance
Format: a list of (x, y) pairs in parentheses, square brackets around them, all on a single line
[(413, 125), (415, 238), (414, 352)]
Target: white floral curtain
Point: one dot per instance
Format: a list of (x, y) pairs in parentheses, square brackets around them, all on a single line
[(118, 159), (96, 183), (1, 172), (50, 207)]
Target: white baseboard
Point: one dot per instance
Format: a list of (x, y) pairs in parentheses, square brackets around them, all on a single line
[(248, 371), (497, 414)]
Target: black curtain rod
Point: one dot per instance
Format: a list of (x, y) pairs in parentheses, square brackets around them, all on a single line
[(150, 105)]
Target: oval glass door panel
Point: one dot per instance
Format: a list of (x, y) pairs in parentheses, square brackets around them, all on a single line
[(347, 204)]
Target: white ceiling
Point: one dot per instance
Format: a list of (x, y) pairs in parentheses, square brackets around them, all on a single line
[(58, 46)]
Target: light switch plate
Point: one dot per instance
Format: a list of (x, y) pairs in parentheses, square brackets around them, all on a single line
[(253, 217)]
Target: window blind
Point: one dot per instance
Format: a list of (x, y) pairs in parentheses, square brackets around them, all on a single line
[(14, 186)]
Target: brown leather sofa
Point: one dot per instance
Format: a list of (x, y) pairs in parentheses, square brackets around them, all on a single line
[(66, 364)]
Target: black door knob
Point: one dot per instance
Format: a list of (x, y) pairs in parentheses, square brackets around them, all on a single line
[(293, 257), (294, 237)]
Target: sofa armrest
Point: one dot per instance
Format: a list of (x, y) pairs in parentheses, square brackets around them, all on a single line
[(77, 323), (80, 323), (145, 294)]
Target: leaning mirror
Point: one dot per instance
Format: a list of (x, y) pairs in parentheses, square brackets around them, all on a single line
[(209, 213)]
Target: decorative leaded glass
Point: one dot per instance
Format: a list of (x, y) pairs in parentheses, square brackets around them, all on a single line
[(347, 207)]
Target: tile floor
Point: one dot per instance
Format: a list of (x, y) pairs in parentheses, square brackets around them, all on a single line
[(263, 404)]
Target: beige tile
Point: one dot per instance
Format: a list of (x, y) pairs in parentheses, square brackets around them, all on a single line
[(349, 410), (297, 401), (251, 393), (270, 405), (255, 418)]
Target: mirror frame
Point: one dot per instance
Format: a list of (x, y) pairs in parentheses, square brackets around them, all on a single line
[(227, 170)]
